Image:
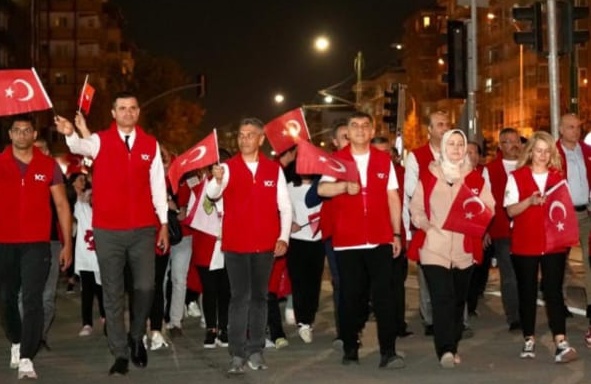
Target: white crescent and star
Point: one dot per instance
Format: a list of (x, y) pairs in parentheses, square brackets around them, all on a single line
[(473, 199), (293, 128), (557, 205), (9, 92), (202, 151), (333, 164)]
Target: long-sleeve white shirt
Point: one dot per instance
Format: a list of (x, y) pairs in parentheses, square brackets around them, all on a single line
[(91, 146), (215, 191)]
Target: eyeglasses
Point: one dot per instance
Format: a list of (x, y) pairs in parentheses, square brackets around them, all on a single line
[(24, 132)]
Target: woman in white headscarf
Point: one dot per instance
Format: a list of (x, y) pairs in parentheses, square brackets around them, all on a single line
[(447, 257)]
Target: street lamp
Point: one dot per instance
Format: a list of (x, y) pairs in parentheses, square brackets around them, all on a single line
[(279, 98), (328, 99), (321, 43)]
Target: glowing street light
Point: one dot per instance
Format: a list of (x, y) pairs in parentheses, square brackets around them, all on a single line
[(279, 98), (321, 44), (328, 99)]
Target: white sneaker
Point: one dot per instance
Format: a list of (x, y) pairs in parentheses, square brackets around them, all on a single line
[(26, 370), (193, 309), (269, 343), (85, 331), (15, 355), (289, 316), (158, 341), (305, 332)]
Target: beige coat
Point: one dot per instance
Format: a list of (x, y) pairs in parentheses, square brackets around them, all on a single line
[(442, 247)]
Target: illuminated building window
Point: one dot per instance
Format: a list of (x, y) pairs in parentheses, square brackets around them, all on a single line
[(488, 84), (426, 22)]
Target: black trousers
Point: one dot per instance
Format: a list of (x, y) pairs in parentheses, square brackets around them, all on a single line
[(24, 267), (400, 273), (157, 311), (274, 321), (358, 269), (448, 288), (89, 290), (216, 297), (526, 271), (305, 265)]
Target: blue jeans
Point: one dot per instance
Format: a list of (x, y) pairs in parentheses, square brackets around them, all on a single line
[(249, 282)]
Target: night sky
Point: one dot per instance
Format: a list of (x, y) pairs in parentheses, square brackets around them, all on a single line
[(250, 50)]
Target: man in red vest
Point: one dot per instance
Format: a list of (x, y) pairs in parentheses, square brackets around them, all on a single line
[(416, 162), (366, 236), (29, 180), (129, 217), (576, 166), (256, 227), (499, 232)]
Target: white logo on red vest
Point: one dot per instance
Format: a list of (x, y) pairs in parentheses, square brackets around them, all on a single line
[(269, 183), (475, 191), (381, 175), (145, 157), (40, 177)]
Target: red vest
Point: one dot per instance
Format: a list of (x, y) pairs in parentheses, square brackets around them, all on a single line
[(500, 226), (121, 192), (424, 157), (251, 215), (365, 217), (25, 204), (473, 180), (586, 149), (528, 235), (399, 169)]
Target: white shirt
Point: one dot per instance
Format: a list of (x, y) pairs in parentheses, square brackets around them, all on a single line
[(301, 212), (215, 191), (576, 174), (91, 146), (362, 162)]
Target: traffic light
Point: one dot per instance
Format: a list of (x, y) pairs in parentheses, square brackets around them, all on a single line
[(570, 36), (533, 37), (392, 104), (457, 59)]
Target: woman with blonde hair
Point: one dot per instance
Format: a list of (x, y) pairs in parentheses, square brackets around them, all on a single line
[(447, 257), (538, 170)]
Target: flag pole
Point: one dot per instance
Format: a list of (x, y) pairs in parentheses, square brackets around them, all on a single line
[(43, 90), (306, 123), (217, 148), (82, 93)]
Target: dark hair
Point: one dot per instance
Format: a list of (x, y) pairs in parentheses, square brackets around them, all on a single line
[(360, 115), (478, 148), (379, 140), (123, 95), (506, 130), (251, 121), (26, 117), (336, 124)]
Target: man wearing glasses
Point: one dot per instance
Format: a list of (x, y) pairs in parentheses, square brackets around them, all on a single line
[(28, 180)]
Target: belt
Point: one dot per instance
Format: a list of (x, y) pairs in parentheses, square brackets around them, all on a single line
[(581, 208)]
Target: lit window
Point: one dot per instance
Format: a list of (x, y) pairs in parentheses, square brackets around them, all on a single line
[(426, 21), (488, 85)]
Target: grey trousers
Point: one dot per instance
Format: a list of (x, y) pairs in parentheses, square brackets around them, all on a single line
[(114, 249), (584, 229), (425, 308), (509, 295), (51, 287), (249, 281)]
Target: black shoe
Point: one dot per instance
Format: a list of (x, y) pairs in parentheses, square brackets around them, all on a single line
[(139, 356), (120, 367), (429, 330), (351, 356), (515, 326), (391, 360), (43, 345), (405, 333)]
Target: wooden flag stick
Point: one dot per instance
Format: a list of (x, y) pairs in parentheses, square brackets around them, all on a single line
[(82, 93)]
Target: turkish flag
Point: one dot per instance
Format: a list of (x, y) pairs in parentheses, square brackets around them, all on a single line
[(312, 160), (468, 214), (85, 99), (560, 218), (204, 153), (314, 222), (287, 130), (21, 91)]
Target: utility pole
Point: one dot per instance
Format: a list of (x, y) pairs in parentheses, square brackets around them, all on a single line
[(358, 66), (472, 72), (553, 74)]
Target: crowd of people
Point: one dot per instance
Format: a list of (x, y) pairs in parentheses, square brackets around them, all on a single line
[(253, 231)]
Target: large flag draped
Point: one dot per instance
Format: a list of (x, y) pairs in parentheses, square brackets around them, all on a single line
[(21, 91), (287, 130), (312, 160), (468, 214), (201, 155), (560, 218)]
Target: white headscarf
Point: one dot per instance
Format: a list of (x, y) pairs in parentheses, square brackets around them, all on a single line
[(452, 170)]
